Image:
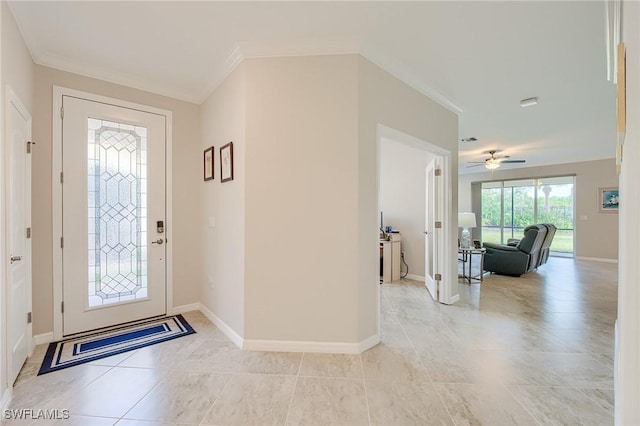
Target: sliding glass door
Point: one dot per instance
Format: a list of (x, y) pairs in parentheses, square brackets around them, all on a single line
[(492, 217), (510, 206), (556, 205)]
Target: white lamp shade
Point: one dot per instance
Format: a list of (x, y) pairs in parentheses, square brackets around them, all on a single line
[(466, 220)]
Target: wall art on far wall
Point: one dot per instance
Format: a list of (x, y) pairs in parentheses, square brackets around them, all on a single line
[(226, 162), (608, 199), (208, 164)]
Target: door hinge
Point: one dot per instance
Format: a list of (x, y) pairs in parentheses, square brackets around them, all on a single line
[(438, 225), (29, 143), (61, 177), (61, 242), (28, 317), (438, 172), (62, 307), (438, 277), (62, 112), (28, 232)]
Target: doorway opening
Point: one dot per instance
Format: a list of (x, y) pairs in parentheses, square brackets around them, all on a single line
[(413, 183)]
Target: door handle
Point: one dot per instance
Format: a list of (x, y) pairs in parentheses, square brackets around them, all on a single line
[(16, 259), (158, 241)]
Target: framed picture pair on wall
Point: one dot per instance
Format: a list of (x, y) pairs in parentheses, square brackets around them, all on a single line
[(226, 163)]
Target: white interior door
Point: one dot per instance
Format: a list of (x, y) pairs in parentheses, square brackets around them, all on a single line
[(433, 231), (113, 214), (18, 166)]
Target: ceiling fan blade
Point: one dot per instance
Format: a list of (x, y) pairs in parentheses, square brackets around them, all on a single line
[(475, 162), (513, 161), (476, 165)]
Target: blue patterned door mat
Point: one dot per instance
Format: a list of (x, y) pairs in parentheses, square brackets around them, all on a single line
[(115, 340)]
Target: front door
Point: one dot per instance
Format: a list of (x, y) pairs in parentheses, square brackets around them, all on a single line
[(113, 214), (18, 167)]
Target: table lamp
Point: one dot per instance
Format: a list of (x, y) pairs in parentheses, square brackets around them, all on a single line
[(466, 221)]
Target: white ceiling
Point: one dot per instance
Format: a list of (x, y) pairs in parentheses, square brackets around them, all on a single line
[(476, 58)]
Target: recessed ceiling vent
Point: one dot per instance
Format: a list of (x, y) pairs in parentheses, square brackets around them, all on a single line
[(469, 140)]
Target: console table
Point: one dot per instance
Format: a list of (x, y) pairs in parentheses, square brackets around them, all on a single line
[(390, 252)]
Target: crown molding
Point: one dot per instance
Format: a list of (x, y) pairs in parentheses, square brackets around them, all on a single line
[(234, 59), (77, 67), (399, 71), (332, 46), (280, 48), (240, 52)]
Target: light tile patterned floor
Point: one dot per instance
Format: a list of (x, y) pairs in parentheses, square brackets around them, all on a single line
[(530, 350)]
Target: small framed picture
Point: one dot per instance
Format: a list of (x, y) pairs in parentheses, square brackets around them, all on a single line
[(608, 199), (208, 164), (226, 162), (477, 244)]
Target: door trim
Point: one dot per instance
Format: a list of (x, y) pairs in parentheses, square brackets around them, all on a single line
[(11, 98), (56, 193)]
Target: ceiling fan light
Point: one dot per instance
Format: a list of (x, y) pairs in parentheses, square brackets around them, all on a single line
[(492, 164)]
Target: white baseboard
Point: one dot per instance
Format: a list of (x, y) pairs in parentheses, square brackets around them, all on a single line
[(453, 300), (368, 343), (415, 277), (6, 399), (185, 308), (596, 259), (223, 326), (289, 345), (310, 347), (41, 339)]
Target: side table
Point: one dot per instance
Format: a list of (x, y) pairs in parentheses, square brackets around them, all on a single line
[(467, 259)]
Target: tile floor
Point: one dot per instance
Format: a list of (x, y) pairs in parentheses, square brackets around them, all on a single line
[(531, 350)]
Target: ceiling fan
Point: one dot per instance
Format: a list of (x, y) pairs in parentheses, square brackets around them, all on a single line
[(494, 162)]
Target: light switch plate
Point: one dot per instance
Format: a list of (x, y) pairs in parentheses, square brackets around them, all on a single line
[(212, 222)]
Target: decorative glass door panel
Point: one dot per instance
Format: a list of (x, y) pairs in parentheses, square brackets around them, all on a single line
[(117, 212), (113, 194)]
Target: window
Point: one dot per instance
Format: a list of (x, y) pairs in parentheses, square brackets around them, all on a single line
[(510, 206)]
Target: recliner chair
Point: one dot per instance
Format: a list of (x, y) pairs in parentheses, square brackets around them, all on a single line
[(518, 260), (548, 239)]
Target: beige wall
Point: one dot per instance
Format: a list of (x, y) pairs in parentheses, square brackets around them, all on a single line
[(223, 269), (383, 99), (309, 182), (187, 161), (17, 71), (402, 197), (595, 237), (17, 65), (301, 199)]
